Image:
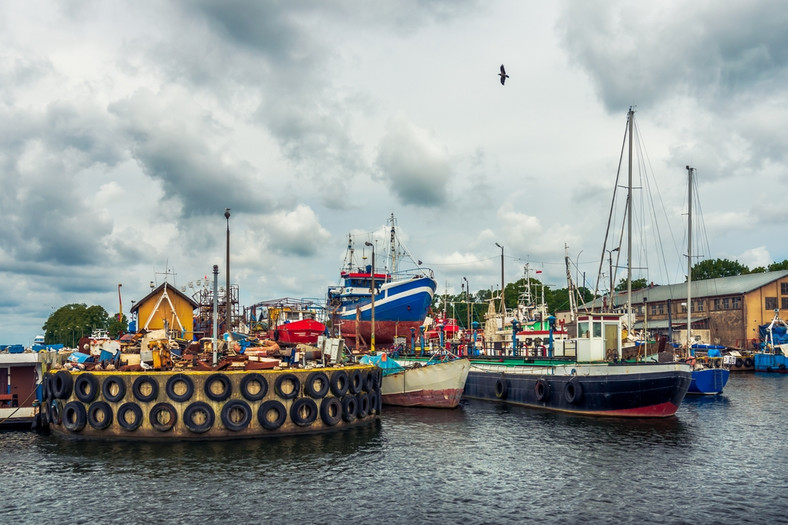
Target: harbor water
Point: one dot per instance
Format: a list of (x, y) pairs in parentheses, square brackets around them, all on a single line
[(721, 459)]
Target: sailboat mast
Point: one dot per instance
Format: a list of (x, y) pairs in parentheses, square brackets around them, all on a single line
[(393, 247), (689, 260), (629, 225)]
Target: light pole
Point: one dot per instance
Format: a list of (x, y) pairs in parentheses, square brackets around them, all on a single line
[(503, 303), (227, 314), (373, 291), (467, 310)]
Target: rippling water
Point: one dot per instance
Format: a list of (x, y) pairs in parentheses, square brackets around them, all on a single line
[(722, 459)]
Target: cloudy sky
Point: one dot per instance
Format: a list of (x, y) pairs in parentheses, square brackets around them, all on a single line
[(127, 128)]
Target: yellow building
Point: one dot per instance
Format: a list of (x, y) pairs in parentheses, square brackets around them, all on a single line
[(166, 308)]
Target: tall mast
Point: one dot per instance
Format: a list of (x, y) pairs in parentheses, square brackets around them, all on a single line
[(689, 259), (393, 247), (629, 225)]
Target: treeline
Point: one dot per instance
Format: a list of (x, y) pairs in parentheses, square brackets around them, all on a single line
[(69, 323)]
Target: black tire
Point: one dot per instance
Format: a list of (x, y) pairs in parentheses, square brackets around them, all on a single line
[(287, 378), (62, 385), (573, 391), (250, 379), (331, 411), (232, 407), (46, 389), (363, 405), (339, 383), (265, 408), (375, 402), (227, 387), (369, 381), (122, 416), (303, 411), (739, 362), (196, 408), (100, 415), (55, 412), (173, 382), (86, 387), (316, 385), (74, 416), (113, 389), (356, 381), (349, 407), (542, 390), (748, 362), (171, 417), (500, 388), (136, 389)]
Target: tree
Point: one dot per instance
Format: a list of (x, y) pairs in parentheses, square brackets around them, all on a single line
[(116, 328), (72, 321), (775, 266), (637, 284), (713, 268)]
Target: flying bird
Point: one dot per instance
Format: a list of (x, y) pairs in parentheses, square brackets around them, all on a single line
[(503, 75)]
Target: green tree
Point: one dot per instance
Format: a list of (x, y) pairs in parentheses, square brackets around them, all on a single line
[(72, 321), (116, 328), (713, 268), (775, 266), (637, 284)]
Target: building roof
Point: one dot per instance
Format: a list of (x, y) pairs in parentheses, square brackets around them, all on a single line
[(170, 289), (735, 285)]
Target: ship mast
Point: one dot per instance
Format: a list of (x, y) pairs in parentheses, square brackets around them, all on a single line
[(689, 260), (393, 247)]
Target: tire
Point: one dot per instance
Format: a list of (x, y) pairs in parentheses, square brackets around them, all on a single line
[(100, 415), (339, 383), (46, 389), (113, 389), (363, 405), (196, 408), (173, 382), (166, 409), (231, 407), (303, 412), (356, 381), (86, 387), (377, 376), (285, 378), (62, 385), (74, 416), (55, 412), (136, 389), (369, 381), (265, 408), (250, 379), (500, 388), (126, 409), (542, 390), (227, 387), (748, 362), (739, 362), (573, 391), (316, 385), (331, 411), (349, 407)]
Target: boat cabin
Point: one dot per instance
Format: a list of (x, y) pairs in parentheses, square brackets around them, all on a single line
[(598, 337)]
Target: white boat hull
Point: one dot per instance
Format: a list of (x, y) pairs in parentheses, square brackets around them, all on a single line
[(438, 385)]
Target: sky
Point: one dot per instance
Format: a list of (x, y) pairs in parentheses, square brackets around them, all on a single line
[(127, 128)]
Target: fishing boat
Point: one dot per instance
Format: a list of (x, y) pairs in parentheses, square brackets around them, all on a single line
[(774, 346), (399, 305), (289, 321), (585, 373), (437, 382)]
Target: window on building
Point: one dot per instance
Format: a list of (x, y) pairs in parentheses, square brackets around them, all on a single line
[(726, 303), (653, 309), (682, 309), (699, 306), (718, 304), (736, 303), (661, 308), (784, 303), (784, 288), (770, 303)]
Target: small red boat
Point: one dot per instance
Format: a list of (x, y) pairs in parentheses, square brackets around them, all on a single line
[(290, 321)]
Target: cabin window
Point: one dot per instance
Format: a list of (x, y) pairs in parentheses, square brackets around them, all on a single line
[(597, 329), (582, 329), (770, 303)]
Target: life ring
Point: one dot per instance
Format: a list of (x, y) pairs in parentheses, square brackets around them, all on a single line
[(226, 387), (179, 388), (573, 391), (292, 379), (163, 417), (369, 381), (198, 410), (113, 389), (62, 385), (230, 412), (129, 409), (500, 388), (139, 383), (55, 412), (339, 383), (748, 362), (86, 387), (356, 381), (74, 416), (739, 362), (100, 415), (272, 405), (363, 405), (254, 387), (542, 390), (331, 411), (316, 385), (349, 407), (303, 412)]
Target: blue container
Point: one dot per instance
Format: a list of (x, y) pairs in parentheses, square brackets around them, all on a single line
[(16, 349), (79, 357), (106, 356)]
